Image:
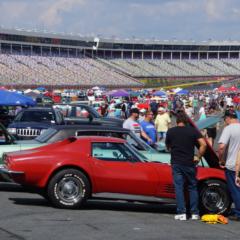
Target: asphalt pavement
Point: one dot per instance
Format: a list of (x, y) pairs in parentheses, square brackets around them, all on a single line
[(26, 216)]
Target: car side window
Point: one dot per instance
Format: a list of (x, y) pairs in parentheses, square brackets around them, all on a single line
[(82, 112), (59, 117), (3, 139), (107, 151)]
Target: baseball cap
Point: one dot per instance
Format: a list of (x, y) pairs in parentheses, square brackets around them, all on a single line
[(230, 113), (161, 109), (134, 110)]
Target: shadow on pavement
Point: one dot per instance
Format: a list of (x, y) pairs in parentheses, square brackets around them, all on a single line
[(105, 205), (10, 187), (31, 201)]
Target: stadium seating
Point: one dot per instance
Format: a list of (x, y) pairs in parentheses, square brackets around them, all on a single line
[(178, 68), (39, 70), (48, 70)]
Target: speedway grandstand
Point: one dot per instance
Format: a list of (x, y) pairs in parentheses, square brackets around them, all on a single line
[(33, 58)]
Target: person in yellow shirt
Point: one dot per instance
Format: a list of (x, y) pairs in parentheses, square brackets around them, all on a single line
[(162, 123)]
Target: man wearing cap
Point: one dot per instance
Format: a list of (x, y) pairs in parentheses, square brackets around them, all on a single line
[(132, 124), (229, 145), (142, 115), (162, 123)]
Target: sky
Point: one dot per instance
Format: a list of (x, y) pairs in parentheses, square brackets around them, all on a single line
[(197, 20)]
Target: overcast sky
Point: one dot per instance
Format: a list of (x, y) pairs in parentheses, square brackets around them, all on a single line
[(145, 19)]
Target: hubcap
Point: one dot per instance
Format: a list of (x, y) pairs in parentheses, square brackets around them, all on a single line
[(213, 199), (69, 189)]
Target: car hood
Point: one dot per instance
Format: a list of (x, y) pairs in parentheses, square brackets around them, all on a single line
[(207, 122), (35, 125)]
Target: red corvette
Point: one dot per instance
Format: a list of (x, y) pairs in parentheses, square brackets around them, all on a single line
[(69, 172)]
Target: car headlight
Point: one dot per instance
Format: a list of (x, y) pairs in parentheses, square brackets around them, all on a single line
[(12, 130), (43, 131)]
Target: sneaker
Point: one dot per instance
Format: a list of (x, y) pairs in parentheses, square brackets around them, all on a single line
[(234, 218), (181, 217), (195, 217)]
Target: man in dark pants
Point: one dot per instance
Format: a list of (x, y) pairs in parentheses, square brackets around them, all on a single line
[(229, 146), (181, 141)]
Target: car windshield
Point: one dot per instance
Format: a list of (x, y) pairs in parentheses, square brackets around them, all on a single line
[(138, 143), (46, 135), (137, 153), (35, 116)]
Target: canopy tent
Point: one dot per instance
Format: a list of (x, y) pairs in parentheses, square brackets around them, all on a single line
[(159, 94), (41, 89), (177, 90), (222, 89), (227, 89), (118, 93), (232, 89), (14, 99), (33, 95), (183, 92), (134, 94)]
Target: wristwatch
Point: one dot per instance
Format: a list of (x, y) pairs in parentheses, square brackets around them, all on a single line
[(197, 158)]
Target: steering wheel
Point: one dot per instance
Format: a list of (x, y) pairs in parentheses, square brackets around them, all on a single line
[(116, 155)]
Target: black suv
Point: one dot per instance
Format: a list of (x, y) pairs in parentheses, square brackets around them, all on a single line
[(76, 113), (30, 122)]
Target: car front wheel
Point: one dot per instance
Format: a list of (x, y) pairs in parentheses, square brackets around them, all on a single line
[(69, 189), (214, 197)]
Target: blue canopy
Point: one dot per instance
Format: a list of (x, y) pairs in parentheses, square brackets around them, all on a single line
[(41, 89), (14, 99), (159, 93), (183, 92), (118, 93)]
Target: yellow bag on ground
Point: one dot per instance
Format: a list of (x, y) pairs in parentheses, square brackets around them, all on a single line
[(214, 219)]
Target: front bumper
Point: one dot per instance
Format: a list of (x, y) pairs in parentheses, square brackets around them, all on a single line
[(10, 176)]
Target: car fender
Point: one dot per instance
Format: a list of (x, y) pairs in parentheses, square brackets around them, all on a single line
[(204, 174), (84, 167)]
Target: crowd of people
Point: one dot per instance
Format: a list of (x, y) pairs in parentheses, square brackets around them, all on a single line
[(154, 125), (150, 118)]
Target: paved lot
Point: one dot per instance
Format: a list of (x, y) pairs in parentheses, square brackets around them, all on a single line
[(29, 216)]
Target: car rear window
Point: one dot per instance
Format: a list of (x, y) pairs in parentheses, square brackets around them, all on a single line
[(35, 116)]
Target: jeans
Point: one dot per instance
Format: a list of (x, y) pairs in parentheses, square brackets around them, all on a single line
[(234, 191), (162, 135), (182, 173)]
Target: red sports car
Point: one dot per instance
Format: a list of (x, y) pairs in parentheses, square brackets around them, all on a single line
[(69, 172)]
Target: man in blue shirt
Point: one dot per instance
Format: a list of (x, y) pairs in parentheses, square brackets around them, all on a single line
[(148, 128)]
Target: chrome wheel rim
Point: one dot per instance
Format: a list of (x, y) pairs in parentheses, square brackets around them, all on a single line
[(213, 199), (69, 190)]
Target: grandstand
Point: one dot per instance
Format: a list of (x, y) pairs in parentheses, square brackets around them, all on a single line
[(31, 58)]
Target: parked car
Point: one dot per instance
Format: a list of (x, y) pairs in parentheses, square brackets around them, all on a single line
[(61, 132), (70, 172), (31, 122), (85, 114)]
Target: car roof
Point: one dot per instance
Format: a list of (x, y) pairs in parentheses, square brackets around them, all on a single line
[(38, 108), (89, 127), (101, 139)]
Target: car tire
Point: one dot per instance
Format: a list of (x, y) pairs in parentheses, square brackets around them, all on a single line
[(214, 197), (69, 189)]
